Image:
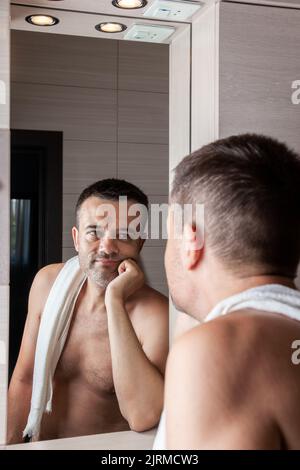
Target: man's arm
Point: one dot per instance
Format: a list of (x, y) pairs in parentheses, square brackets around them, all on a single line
[(20, 388), (211, 398), (138, 367)]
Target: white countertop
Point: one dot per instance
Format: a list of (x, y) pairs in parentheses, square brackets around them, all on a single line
[(125, 440)]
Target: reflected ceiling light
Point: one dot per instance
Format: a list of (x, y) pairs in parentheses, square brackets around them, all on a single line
[(111, 27), (42, 20), (129, 4)]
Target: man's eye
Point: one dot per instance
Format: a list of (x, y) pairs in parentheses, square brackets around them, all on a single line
[(92, 234)]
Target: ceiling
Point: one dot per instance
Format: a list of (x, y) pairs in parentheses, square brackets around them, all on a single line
[(77, 17), (104, 7)]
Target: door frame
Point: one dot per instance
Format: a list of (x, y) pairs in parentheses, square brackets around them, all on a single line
[(52, 141)]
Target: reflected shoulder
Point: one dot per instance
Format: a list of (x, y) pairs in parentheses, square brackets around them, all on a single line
[(41, 286), (48, 274), (147, 296)]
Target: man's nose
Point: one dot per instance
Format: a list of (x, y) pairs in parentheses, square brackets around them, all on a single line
[(108, 245)]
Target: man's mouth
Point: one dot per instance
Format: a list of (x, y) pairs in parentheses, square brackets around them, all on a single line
[(106, 262)]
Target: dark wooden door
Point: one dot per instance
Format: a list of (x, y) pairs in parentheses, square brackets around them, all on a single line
[(36, 219)]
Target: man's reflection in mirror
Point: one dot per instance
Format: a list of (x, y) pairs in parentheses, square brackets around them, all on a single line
[(109, 374)]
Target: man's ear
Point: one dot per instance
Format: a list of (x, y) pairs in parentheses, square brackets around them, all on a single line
[(75, 235), (191, 246)]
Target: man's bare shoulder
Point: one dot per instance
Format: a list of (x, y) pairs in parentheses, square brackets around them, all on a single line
[(148, 300), (240, 331), (207, 342), (50, 271), (241, 363), (149, 313), (253, 331), (46, 276), (239, 349), (218, 362), (151, 294), (42, 284), (226, 348)]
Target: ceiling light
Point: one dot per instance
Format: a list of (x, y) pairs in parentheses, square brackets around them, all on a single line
[(111, 27), (129, 4), (42, 20)]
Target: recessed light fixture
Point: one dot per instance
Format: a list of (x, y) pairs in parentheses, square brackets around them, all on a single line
[(173, 10), (111, 27), (148, 33), (129, 4), (42, 20)]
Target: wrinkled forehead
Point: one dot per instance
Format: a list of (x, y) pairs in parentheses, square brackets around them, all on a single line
[(103, 212)]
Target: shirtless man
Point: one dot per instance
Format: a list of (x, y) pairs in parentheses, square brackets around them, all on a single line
[(231, 382), (110, 374)]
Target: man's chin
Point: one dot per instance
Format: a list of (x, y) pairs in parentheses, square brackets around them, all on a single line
[(101, 277), (176, 303)]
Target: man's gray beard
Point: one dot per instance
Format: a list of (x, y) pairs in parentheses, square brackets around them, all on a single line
[(99, 278)]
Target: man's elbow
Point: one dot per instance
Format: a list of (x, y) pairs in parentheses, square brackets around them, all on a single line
[(140, 422)]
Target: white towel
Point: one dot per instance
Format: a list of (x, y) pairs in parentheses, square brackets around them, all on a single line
[(274, 298), (54, 326)]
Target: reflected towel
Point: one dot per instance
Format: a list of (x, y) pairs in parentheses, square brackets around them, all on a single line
[(53, 330), (273, 298)]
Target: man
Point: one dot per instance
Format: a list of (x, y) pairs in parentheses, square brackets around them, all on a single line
[(110, 374), (231, 382)]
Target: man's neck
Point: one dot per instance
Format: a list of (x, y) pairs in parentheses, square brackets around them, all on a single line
[(224, 286), (93, 295)]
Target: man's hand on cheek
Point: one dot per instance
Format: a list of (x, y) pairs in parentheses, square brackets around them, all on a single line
[(130, 279)]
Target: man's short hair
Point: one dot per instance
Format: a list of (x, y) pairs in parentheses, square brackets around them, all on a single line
[(250, 187), (112, 189)]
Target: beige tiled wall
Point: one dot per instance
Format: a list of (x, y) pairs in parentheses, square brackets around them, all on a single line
[(4, 211), (110, 99), (261, 53)]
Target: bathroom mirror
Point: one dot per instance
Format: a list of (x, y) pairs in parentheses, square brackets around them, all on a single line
[(224, 59), (88, 105)]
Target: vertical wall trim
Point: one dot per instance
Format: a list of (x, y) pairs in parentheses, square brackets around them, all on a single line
[(205, 69), (117, 111), (179, 114), (4, 207)]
